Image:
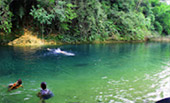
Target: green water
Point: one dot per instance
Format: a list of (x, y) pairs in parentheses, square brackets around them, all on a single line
[(102, 73)]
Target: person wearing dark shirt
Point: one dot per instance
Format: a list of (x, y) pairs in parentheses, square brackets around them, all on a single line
[(44, 93)]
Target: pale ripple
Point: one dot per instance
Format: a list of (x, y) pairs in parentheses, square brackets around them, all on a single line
[(18, 92), (162, 84), (105, 77), (26, 99), (111, 95), (125, 100), (111, 101), (34, 89), (29, 95)]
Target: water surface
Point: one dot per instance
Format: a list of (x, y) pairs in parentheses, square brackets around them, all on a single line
[(101, 73)]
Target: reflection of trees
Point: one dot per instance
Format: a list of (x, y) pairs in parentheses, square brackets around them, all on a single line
[(6, 61), (13, 60), (25, 53), (26, 59)]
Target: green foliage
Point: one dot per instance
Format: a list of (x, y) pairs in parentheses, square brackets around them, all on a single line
[(5, 17), (52, 1), (61, 13), (41, 15), (158, 27), (92, 21), (54, 37), (162, 17), (64, 14), (130, 25), (88, 20), (69, 12)]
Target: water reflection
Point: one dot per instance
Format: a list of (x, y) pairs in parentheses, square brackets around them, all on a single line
[(26, 53)]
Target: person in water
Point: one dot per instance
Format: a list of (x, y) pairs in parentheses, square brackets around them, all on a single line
[(15, 85), (59, 51), (44, 93)]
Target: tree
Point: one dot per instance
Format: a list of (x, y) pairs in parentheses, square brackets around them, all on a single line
[(5, 16)]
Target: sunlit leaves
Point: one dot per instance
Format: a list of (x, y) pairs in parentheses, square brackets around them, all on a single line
[(42, 15), (162, 17), (61, 13)]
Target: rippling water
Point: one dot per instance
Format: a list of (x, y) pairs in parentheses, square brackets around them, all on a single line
[(102, 73)]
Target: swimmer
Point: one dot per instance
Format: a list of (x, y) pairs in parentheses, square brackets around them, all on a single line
[(54, 50), (59, 51), (44, 93), (49, 49), (16, 85)]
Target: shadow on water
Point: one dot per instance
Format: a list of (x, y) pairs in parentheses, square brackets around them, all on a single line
[(81, 65)]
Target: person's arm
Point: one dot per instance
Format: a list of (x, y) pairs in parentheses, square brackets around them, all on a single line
[(19, 86), (39, 94)]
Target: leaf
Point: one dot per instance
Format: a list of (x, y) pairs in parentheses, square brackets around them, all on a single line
[(52, 1), (64, 26)]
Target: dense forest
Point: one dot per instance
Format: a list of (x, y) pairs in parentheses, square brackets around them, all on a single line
[(84, 20)]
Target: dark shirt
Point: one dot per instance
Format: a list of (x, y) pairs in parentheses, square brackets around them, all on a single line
[(46, 94)]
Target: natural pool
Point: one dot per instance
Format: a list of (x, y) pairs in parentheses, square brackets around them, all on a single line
[(98, 73)]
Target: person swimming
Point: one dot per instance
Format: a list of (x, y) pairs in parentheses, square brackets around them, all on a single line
[(59, 51), (15, 85), (50, 49), (44, 93)]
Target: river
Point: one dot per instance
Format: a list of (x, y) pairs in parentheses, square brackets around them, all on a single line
[(98, 73)]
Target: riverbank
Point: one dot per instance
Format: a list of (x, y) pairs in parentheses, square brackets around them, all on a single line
[(160, 39), (30, 38), (35, 41)]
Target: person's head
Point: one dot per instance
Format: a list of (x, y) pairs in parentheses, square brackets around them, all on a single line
[(43, 85), (19, 81)]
